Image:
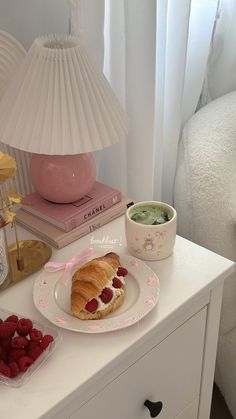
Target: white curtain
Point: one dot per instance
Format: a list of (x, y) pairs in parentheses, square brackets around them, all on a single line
[(155, 56), (221, 71)]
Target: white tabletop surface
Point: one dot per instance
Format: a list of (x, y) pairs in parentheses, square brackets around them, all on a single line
[(183, 276)]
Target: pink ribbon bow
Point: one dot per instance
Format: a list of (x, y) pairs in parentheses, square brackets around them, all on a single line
[(67, 266)]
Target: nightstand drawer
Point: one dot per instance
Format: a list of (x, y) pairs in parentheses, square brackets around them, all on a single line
[(190, 412), (169, 374)]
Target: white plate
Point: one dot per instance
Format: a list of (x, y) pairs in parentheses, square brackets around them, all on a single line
[(52, 299)]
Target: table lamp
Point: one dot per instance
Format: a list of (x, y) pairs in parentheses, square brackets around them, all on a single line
[(60, 107)]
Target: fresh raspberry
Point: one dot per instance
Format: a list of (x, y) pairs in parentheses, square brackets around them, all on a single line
[(24, 326), (122, 271), (1, 321), (35, 335), (116, 283), (3, 354), (4, 369), (13, 318), (106, 295), (7, 330), (35, 352), (15, 354), (47, 339), (6, 344), (92, 305), (19, 342), (31, 345), (14, 368), (24, 363)]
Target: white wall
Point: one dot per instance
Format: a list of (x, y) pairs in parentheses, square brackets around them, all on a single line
[(27, 19)]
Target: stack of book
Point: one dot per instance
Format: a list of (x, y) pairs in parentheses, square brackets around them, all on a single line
[(61, 224)]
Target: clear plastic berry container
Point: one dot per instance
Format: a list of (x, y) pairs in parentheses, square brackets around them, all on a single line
[(23, 377)]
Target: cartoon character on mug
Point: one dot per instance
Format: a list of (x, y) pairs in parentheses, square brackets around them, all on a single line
[(148, 244)]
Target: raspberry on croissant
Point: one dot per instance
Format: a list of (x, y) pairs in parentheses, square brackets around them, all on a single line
[(93, 293)]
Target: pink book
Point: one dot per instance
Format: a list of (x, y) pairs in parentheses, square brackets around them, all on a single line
[(69, 216), (58, 238)]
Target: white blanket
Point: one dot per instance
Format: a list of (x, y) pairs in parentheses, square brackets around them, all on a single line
[(205, 200)]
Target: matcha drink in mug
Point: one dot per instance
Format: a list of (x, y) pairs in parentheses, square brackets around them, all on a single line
[(150, 228)]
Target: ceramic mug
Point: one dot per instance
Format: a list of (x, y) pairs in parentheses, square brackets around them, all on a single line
[(151, 241)]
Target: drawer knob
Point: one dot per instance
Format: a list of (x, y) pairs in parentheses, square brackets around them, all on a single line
[(154, 407)]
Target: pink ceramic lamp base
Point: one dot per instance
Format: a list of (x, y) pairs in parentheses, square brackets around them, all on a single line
[(63, 179)]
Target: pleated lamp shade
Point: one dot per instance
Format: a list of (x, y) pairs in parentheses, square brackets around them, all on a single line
[(59, 103)]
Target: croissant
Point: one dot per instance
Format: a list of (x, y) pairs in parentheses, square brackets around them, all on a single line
[(92, 287)]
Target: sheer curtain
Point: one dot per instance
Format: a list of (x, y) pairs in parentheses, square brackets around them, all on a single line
[(222, 59), (155, 55)]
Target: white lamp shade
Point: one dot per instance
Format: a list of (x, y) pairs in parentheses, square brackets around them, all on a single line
[(59, 102)]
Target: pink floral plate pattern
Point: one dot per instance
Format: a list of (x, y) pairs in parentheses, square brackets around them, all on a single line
[(52, 298)]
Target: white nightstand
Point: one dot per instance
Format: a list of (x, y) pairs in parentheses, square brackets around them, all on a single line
[(166, 360)]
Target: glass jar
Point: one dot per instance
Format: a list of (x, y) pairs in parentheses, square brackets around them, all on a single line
[(4, 261)]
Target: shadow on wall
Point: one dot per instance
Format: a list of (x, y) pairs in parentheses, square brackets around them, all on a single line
[(25, 22), (32, 18)]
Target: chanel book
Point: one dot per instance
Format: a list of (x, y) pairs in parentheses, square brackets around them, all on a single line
[(58, 238), (69, 216)]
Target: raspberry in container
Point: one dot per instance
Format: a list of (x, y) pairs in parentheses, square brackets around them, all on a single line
[(25, 344)]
